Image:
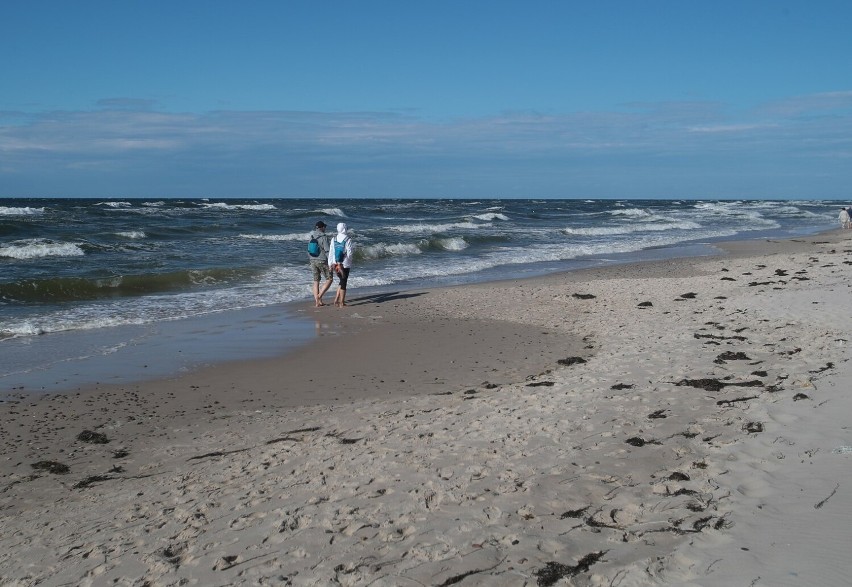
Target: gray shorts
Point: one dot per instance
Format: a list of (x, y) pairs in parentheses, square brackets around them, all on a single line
[(320, 268)]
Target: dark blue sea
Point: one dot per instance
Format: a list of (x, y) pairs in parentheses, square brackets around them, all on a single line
[(105, 290)]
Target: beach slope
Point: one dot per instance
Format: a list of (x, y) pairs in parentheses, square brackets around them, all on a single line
[(681, 422)]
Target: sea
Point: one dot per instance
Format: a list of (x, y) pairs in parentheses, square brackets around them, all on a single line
[(121, 290)]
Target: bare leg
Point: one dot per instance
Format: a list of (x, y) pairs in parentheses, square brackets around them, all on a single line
[(317, 295), (340, 297), (322, 291)]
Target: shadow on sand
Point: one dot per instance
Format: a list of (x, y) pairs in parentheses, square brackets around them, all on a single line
[(384, 297)]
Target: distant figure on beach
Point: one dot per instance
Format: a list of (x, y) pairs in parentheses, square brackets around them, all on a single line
[(340, 261), (844, 218), (318, 247)]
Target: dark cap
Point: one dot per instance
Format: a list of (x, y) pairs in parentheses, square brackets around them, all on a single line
[(320, 224)]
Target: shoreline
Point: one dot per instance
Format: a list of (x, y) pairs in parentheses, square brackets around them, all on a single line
[(129, 354), (490, 456)]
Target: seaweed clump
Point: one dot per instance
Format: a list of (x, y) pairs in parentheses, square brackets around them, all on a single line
[(92, 437), (54, 467), (553, 571)]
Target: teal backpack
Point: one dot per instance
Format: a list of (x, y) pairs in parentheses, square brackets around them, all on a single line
[(340, 250), (314, 247)]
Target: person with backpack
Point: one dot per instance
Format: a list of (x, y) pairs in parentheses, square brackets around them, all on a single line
[(318, 246), (340, 261)]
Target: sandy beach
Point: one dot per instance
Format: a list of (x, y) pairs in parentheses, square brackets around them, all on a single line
[(677, 422)]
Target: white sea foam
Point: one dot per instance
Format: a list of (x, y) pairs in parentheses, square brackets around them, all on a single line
[(633, 212), (133, 234), (600, 230), (299, 236), (25, 211), (331, 212), (115, 204), (738, 210), (632, 228), (381, 250), (421, 228), (37, 248), (491, 216), (259, 207), (25, 328), (225, 206), (452, 244), (785, 210)]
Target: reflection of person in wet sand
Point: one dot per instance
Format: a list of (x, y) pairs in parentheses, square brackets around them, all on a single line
[(340, 261)]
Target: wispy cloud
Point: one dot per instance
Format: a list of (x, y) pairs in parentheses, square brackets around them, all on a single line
[(731, 128), (281, 151), (137, 104), (819, 104)]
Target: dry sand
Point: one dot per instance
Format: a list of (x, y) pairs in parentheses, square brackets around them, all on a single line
[(684, 422)]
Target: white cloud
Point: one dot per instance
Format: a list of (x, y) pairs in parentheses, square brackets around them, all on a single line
[(321, 152), (812, 104), (730, 128)]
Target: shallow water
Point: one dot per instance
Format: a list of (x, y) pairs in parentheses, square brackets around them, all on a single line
[(122, 290)]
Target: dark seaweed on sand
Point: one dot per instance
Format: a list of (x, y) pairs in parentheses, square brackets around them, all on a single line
[(717, 337), (753, 427), (92, 437), (574, 513), (730, 402), (828, 366), (553, 571), (716, 385), (571, 361), (731, 356), (51, 467), (91, 480), (218, 453)]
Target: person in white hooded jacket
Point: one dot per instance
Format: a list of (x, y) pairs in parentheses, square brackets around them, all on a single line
[(340, 256), (844, 218)]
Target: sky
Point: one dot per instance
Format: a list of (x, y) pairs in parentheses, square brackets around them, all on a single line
[(428, 98)]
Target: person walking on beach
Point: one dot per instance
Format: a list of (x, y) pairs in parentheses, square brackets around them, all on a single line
[(318, 247), (340, 261), (844, 218)]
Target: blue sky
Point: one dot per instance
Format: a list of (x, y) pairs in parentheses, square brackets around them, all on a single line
[(478, 98)]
